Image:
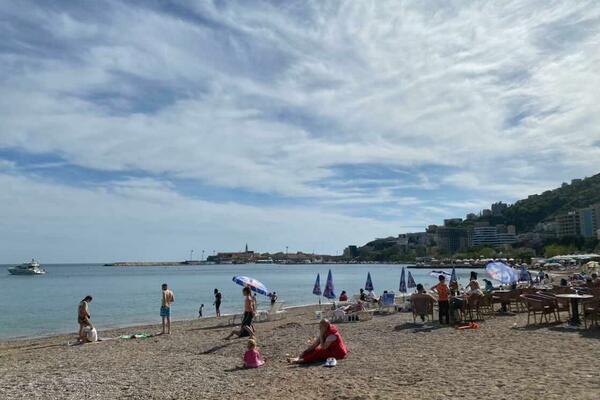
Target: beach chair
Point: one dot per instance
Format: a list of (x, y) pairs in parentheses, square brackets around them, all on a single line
[(272, 314), (472, 306), (388, 303), (421, 304), (539, 305)]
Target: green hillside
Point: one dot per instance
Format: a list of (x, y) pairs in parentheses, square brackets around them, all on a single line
[(536, 208)]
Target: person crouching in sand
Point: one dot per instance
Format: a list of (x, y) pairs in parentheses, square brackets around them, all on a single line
[(329, 345), (252, 358)]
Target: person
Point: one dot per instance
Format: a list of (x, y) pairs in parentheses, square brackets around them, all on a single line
[(165, 308), (83, 317), (273, 298), (252, 358), (420, 294), (217, 302), (473, 284), (247, 329), (343, 296), (595, 280), (488, 285), (200, 310), (363, 295), (443, 305), (329, 344)]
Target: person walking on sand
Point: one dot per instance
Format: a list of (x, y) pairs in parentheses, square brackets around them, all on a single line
[(83, 317), (217, 302), (443, 302), (165, 308)]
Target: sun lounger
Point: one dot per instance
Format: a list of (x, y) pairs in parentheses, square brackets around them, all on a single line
[(388, 303), (272, 314)]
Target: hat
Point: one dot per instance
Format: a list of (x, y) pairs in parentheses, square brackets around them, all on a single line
[(331, 362)]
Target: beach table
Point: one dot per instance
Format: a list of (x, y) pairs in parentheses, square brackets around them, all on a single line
[(575, 321)]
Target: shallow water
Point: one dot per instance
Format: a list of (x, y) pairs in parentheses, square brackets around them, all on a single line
[(43, 305)]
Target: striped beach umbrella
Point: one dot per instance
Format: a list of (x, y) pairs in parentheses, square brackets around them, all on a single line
[(329, 291), (411, 282), (253, 284), (369, 284), (402, 287)]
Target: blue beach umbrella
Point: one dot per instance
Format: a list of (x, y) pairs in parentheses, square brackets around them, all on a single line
[(369, 284), (253, 284), (402, 287), (329, 291), (411, 281), (453, 276), (501, 272), (317, 287)]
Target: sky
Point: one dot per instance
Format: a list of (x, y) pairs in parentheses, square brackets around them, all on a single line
[(139, 130)]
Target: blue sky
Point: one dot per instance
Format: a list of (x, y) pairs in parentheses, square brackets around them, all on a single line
[(141, 130)]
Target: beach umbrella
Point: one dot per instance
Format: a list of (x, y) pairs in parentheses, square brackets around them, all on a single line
[(436, 274), (369, 284), (329, 291), (411, 282), (501, 272), (402, 287), (253, 284), (317, 287), (453, 276)]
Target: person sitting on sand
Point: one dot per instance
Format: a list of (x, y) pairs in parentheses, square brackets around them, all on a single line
[(165, 308), (343, 296), (83, 317), (329, 345), (252, 358), (247, 329)]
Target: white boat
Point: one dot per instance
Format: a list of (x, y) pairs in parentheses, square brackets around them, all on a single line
[(32, 268)]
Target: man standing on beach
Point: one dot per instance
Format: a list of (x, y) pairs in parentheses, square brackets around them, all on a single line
[(83, 316), (165, 308), (217, 302)]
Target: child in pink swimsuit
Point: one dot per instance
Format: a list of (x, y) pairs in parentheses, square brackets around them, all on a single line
[(252, 358)]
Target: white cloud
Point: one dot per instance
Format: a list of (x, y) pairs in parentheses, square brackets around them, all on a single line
[(502, 99)]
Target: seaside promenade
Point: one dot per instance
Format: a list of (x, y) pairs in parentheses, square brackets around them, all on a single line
[(387, 360)]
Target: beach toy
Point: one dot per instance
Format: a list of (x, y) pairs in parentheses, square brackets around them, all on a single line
[(470, 325)]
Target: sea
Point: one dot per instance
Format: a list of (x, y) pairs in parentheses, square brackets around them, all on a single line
[(35, 306)]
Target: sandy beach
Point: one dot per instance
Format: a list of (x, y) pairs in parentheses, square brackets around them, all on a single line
[(387, 360)]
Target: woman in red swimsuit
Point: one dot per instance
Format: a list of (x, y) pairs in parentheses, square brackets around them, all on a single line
[(329, 345)]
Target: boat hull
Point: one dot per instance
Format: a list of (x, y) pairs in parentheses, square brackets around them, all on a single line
[(25, 272)]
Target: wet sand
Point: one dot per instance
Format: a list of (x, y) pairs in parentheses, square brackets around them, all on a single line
[(387, 360)]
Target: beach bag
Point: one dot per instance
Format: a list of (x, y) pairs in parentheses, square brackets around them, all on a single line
[(91, 335)]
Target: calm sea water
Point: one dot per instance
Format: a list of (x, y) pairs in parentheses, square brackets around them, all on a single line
[(43, 305)]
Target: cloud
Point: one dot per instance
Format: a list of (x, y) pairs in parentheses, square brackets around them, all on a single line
[(345, 107)]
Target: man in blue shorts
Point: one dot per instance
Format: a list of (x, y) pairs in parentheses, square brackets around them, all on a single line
[(165, 308)]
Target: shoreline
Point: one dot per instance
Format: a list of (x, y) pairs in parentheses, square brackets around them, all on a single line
[(146, 325)]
